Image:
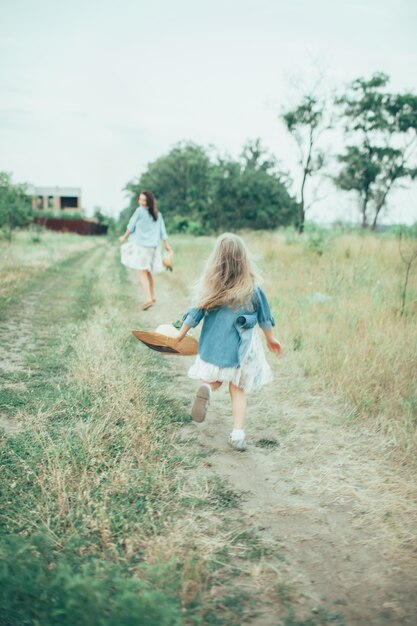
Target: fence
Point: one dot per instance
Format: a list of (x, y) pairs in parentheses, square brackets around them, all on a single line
[(80, 226)]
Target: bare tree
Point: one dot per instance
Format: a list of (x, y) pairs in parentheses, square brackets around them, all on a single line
[(306, 122), (408, 260)]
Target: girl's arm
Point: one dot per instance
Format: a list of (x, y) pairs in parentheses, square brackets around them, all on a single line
[(273, 344), (190, 320), (266, 322), (183, 331), (265, 318)]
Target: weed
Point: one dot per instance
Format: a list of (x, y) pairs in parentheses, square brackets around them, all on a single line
[(221, 495), (251, 546), (297, 343), (267, 443), (322, 617)]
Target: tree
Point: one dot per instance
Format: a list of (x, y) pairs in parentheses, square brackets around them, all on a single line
[(408, 258), (105, 219), (198, 194), (306, 122), (180, 181), (385, 127), (264, 200), (15, 206), (249, 192)]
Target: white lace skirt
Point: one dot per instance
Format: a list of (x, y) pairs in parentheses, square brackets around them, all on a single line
[(253, 372), (141, 258)]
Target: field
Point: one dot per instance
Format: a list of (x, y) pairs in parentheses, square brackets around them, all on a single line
[(115, 509)]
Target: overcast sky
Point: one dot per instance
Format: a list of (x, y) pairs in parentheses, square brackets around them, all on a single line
[(92, 91)]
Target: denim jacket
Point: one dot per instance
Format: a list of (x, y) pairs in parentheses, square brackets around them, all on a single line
[(227, 333)]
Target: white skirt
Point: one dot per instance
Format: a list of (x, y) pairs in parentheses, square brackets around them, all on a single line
[(253, 372), (141, 258)]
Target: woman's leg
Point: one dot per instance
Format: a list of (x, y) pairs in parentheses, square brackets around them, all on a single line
[(151, 285), (239, 405), (144, 280)]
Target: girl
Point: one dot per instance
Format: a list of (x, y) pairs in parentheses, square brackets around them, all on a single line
[(146, 228), (230, 302)]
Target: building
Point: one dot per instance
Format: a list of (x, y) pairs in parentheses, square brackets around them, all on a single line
[(62, 211), (58, 200)]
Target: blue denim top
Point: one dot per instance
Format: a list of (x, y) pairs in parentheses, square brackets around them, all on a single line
[(227, 333), (145, 231)]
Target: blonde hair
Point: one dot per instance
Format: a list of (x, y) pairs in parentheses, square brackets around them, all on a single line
[(229, 277)]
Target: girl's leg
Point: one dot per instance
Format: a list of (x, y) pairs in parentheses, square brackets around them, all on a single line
[(202, 400), (213, 386), (239, 405), (144, 280), (237, 437), (151, 285)]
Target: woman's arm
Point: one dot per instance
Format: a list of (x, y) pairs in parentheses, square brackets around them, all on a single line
[(131, 225), (125, 237), (162, 229)]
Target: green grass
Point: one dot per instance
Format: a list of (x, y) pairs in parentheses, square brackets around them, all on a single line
[(267, 443), (23, 261), (104, 516), (93, 486), (39, 586), (336, 297)]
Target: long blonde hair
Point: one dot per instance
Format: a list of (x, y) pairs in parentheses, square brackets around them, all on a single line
[(229, 277)]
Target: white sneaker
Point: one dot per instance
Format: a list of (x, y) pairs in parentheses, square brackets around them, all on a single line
[(238, 444)]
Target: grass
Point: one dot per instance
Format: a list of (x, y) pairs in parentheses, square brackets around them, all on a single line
[(26, 258), (102, 517), (338, 314), (321, 618), (101, 520), (265, 442), (354, 341)]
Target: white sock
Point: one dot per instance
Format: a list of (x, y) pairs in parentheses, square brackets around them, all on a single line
[(237, 434)]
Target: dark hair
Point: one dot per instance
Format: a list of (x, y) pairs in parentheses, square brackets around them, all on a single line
[(151, 204)]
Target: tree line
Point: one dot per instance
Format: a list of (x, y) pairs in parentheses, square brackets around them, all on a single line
[(380, 131), (198, 194), (201, 192)]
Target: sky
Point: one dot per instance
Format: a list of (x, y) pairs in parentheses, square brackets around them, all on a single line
[(91, 91)]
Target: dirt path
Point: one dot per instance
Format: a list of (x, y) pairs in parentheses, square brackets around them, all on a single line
[(329, 498), (17, 330)]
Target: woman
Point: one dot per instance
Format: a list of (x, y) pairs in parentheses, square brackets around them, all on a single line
[(145, 230)]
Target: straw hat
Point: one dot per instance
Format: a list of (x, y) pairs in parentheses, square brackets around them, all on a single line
[(163, 339), (168, 260)]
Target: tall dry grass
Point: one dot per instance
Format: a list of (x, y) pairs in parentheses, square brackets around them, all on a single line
[(98, 467), (337, 307), (96, 472)]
